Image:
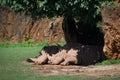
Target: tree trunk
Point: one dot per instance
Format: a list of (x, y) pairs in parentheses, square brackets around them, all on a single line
[(79, 32), (69, 29)]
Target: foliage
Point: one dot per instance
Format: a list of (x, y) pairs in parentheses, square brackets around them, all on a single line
[(62, 43), (42, 43), (6, 39), (87, 11), (109, 62), (28, 43)]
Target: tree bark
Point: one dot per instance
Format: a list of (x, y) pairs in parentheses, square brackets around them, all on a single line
[(69, 29)]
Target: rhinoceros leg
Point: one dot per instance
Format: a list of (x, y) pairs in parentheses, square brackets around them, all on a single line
[(70, 60), (58, 58)]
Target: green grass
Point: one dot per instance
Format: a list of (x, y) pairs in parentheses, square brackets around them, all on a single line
[(11, 67), (109, 62), (29, 43)]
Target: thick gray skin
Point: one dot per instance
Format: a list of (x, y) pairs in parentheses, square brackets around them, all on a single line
[(70, 57), (83, 55), (42, 59), (77, 55), (65, 58), (58, 58)]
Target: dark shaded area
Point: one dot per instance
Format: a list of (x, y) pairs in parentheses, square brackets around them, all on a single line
[(80, 32), (69, 29), (90, 55), (87, 54), (51, 49), (85, 38)]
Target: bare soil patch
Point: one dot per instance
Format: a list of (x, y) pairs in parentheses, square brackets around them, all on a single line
[(89, 71)]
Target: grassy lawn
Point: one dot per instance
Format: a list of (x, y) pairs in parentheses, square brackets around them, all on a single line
[(11, 67)]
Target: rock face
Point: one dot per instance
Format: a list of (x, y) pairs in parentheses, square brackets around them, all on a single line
[(111, 28), (116, 2), (16, 27)]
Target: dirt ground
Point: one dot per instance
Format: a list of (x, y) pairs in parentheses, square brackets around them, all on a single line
[(89, 71)]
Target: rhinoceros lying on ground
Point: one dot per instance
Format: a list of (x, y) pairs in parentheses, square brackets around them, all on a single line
[(76, 54)]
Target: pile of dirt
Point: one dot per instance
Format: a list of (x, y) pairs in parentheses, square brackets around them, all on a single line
[(111, 28)]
